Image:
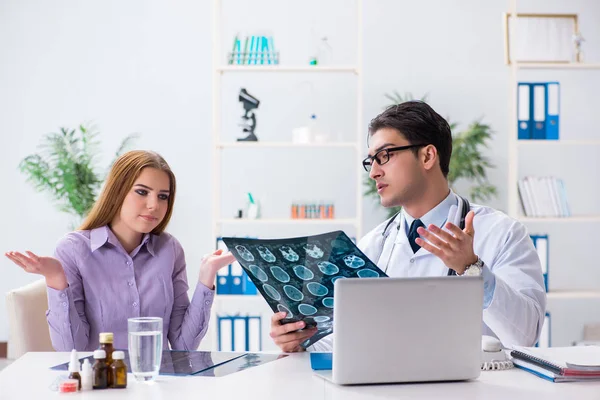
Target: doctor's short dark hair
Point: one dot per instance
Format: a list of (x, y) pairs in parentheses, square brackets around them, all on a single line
[(419, 124)]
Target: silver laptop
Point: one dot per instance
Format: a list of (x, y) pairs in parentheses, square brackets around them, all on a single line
[(406, 330)]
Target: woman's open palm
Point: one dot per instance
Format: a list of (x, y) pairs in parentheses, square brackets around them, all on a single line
[(49, 267)]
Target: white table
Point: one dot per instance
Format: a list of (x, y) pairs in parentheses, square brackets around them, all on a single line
[(289, 378)]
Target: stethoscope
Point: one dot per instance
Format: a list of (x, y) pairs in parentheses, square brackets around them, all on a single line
[(466, 207)]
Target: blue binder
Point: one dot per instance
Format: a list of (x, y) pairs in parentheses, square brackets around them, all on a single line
[(539, 107), (235, 281), (232, 279), (524, 109), (248, 286), (552, 110), (240, 282), (541, 245), (239, 333), (223, 278)]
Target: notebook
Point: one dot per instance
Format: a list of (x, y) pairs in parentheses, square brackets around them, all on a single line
[(549, 375), (560, 362)]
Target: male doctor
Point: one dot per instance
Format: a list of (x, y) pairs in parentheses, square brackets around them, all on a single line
[(409, 156)]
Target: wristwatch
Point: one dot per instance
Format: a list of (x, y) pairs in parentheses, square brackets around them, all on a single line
[(474, 269)]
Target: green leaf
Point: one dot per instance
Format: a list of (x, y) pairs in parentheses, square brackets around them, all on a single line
[(65, 168), (396, 98)]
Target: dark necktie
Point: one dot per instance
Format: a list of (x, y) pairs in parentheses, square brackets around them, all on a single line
[(412, 234)]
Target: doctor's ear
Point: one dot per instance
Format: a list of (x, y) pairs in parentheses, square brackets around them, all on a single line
[(429, 155)]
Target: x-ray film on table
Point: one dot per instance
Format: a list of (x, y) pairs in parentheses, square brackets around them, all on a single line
[(297, 275), (180, 362)]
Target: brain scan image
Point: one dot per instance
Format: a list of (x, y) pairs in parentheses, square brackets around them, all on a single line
[(367, 273), (297, 275), (353, 261), (280, 274), (328, 268), (266, 254), (244, 253), (314, 251), (270, 290), (258, 273), (316, 289), (307, 309), (303, 273), (293, 293), (328, 302), (282, 308), (289, 254), (340, 246)]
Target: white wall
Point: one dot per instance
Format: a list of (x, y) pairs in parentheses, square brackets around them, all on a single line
[(145, 66)]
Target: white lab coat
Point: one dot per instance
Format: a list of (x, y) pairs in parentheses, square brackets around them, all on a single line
[(516, 312)]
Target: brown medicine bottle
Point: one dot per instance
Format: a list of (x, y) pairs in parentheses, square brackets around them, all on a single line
[(100, 370), (118, 370), (106, 344)]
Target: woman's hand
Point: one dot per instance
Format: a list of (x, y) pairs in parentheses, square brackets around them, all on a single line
[(211, 263), (50, 268)]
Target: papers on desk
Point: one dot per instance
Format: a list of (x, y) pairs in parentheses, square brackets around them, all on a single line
[(203, 363), (560, 364), (297, 275)]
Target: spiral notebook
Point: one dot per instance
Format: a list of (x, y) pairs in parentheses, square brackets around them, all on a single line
[(551, 376), (573, 362)]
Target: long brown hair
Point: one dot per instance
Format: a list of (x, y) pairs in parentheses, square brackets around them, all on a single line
[(121, 178)]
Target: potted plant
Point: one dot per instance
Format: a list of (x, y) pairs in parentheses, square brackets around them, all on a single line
[(467, 161), (65, 168)]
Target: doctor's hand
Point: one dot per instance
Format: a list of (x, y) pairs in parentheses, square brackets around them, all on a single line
[(455, 249), (287, 336), (211, 263), (50, 268)]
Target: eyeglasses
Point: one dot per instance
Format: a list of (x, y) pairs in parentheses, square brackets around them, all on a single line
[(383, 156)]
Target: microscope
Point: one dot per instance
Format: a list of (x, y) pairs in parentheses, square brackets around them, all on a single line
[(248, 123)]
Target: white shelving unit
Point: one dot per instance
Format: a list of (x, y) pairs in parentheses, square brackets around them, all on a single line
[(579, 218), (580, 294), (553, 143), (244, 304), (514, 147), (268, 221), (279, 68), (250, 145), (556, 66)]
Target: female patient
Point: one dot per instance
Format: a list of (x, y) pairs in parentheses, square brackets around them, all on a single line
[(121, 264)]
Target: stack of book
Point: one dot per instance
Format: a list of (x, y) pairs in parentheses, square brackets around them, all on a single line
[(543, 197), (560, 364)]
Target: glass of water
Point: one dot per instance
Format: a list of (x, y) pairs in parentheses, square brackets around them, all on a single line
[(145, 347)]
